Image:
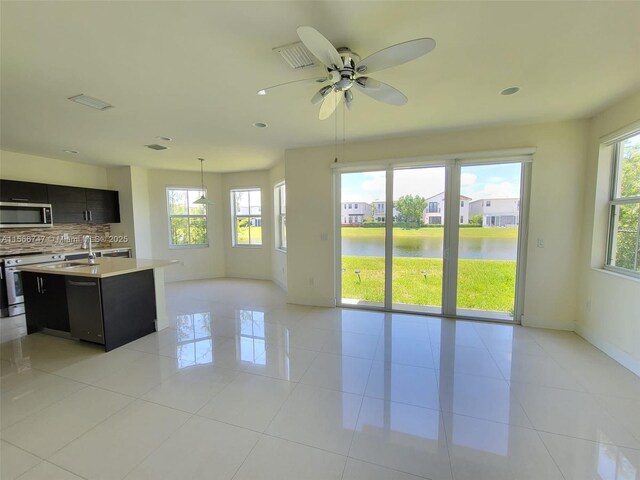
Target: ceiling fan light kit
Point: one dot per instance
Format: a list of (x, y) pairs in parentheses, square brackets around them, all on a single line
[(345, 70)]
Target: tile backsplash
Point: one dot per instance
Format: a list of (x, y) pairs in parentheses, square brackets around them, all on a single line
[(64, 237)]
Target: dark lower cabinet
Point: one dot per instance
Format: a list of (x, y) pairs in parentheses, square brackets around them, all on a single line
[(45, 302)]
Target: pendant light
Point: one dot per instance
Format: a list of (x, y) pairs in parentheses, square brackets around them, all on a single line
[(203, 200)]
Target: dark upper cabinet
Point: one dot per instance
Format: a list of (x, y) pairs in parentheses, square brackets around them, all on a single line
[(83, 205), (69, 204), (23, 192), (103, 206)]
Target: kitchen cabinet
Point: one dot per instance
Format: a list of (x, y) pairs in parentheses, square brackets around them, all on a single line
[(103, 206), (45, 302), (23, 192), (83, 205)]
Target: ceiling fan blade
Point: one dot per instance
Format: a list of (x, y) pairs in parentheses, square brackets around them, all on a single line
[(320, 46), (396, 55), (348, 98), (264, 91), (380, 91), (321, 94), (329, 104)]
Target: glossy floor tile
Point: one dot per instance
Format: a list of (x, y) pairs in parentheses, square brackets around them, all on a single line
[(243, 386)]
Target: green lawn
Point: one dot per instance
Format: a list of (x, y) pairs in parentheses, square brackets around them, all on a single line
[(431, 232), (482, 284)]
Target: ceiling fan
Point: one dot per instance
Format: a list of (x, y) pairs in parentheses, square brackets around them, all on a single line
[(345, 70)]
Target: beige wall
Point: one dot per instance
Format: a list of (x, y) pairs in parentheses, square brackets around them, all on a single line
[(196, 263), (609, 304), (278, 257), (254, 261), (30, 168), (555, 213)]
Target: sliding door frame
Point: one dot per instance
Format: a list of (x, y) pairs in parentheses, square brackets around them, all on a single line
[(453, 168)]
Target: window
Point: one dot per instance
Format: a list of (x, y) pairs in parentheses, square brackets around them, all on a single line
[(246, 213), (462, 203), (187, 220), (433, 207), (461, 219), (623, 251), (281, 217), (435, 220), (487, 203)]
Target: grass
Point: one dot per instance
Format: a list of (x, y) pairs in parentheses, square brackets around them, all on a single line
[(482, 284), (431, 232), (243, 235)]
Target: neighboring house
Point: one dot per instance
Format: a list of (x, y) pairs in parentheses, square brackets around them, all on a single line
[(497, 212), (380, 211), (433, 213), (354, 213)]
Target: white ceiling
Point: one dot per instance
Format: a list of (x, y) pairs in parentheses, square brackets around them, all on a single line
[(190, 70)]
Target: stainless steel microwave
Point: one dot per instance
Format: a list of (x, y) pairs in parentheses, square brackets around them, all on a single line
[(21, 215)]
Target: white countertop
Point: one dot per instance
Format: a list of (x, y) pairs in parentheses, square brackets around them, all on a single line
[(104, 267)]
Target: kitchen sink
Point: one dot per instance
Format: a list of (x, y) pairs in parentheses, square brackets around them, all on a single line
[(72, 265)]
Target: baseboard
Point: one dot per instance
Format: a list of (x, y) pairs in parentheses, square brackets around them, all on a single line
[(620, 356), (311, 302), (245, 276), (553, 324), (280, 284)]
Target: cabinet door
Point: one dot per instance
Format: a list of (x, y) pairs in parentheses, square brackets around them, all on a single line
[(54, 299), (69, 204), (103, 206), (45, 302), (23, 192)]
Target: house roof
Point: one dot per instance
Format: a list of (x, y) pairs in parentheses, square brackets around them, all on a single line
[(442, 193)]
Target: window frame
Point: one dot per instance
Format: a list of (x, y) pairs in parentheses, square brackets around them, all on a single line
[(280, 219), (617, 201), (234, 217), (201, 192)]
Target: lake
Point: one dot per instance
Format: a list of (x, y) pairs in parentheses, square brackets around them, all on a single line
[(429, 247)]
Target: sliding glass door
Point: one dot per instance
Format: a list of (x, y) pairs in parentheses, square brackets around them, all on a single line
[(418, 235), (488, 240), (436, 239)]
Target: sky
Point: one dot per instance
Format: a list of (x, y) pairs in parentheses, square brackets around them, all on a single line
[(484, 181)]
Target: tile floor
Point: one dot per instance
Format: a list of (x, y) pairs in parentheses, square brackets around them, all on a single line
[(243, 386)]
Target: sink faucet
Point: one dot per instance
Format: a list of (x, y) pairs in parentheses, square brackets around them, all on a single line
[(86, 240)]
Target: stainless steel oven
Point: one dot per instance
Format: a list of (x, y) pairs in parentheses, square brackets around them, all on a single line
[(13, 279), (21, 215)]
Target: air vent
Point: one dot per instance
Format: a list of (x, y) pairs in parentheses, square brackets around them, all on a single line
[(90, 102), (155, 146), (297, 56)]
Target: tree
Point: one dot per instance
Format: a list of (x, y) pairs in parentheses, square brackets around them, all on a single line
[(475, 220), (410, 208)]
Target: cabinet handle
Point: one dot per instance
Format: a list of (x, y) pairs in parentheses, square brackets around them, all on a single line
[(82, 284), (84, 215), (19, 199), (90, 216), (38, 280)]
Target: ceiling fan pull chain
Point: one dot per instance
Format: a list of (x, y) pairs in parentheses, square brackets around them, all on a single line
[(335, 160)]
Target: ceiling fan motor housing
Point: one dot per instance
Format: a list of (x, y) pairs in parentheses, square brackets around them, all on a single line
[(346, 77)]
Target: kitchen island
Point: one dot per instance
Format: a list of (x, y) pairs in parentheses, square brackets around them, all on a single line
[(111, 302)]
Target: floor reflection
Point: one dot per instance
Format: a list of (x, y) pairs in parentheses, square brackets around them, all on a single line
[(194, 339), (252, 338)]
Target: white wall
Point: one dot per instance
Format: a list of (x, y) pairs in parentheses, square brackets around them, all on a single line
[(609, 305), (119, 178), (248, 261), (278, 258), (196, 263), (556, 210), (30, 168)]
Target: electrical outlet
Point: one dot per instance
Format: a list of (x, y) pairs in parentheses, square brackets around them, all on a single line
[(311, 281), (540, 242), (324, 237), (588, 305)]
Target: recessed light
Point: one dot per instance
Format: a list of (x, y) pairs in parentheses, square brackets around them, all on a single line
[(510, 91), (260, 125), (90, 102), (74, 152), (262, 92), (166, 139)]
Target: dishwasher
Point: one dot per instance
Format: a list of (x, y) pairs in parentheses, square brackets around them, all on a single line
[(85, 309)]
